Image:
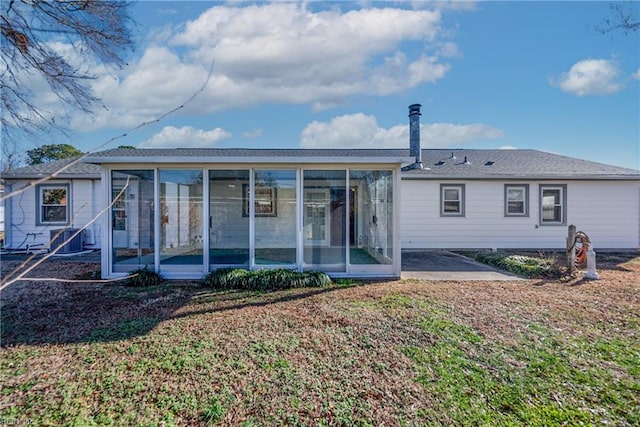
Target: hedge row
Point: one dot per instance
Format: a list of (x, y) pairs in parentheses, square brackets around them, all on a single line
[(237, 278)]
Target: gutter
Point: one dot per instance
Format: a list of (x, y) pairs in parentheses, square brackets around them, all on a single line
[(425, 177), (42, 175), (8, 216), (249, 159)]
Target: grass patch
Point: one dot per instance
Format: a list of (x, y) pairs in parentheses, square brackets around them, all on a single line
[(543, 378), (216, 410), (347, 282), (397, 353), (281, 278), (124, 329)]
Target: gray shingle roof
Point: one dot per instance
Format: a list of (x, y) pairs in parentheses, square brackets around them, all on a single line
[(481, 163), (245, 155), (78, 170), (245, 152), (513, 164)]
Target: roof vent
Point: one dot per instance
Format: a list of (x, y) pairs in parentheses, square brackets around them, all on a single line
[(440, 163), (489, 163), (466, 162), (453, 156)]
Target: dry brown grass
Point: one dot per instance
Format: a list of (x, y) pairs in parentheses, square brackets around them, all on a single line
[(178, 354)]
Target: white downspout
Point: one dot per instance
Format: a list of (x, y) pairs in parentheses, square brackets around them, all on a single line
[(8, 218)]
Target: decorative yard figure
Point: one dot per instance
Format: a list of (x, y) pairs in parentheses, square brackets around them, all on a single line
[(580, 252)]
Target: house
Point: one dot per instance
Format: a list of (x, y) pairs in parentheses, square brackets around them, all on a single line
[(185, 212), (517, 199), (68, 201)]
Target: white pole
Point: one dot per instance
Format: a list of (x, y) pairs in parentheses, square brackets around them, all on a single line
[(591, 273)]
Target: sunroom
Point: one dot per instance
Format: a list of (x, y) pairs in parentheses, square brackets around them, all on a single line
[(185, 212)]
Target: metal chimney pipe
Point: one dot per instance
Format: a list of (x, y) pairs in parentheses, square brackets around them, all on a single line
[(414, 135)]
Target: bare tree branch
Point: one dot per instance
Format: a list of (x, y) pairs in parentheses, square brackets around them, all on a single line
[(625, 18), (16, 275), (53, 279), (94, 29), (115, 138)]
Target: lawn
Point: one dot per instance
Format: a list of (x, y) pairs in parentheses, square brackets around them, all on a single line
[(390, 353)]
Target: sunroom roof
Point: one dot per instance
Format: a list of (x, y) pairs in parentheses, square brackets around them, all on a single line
[(245, 155)]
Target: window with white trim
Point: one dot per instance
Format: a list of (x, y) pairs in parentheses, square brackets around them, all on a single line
[(451, 199), (52, 204), (119, 208), (553, 204), (516, 200)]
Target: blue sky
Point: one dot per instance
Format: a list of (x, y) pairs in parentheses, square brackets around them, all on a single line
[(341, 74)]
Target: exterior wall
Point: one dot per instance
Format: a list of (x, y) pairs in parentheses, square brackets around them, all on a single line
[(608, 211), (21, 214)]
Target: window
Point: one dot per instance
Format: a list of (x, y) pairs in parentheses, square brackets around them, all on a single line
[(119, 208), (553, 201), (265, 201), (516, 200), (53, 204), (451, 200)]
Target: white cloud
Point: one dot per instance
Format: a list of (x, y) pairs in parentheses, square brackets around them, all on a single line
[(159, 82), (186, 136), (396, 74), (255, 133), (277, 53), (442, 5), (362, 131), (636, 75), (590, 77), (448, 50), (448, 134)]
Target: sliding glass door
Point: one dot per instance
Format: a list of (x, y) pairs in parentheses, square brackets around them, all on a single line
[(132, 217), (324, 214), (228, 218), (274, 210), (371, 216), (181, 231)]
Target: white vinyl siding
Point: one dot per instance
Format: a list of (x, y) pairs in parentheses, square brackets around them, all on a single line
[(84, 202), (606, 210)]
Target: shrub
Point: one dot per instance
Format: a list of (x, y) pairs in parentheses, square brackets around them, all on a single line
[(281, 278), (226, 278), (518, 264), (143, 278)]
